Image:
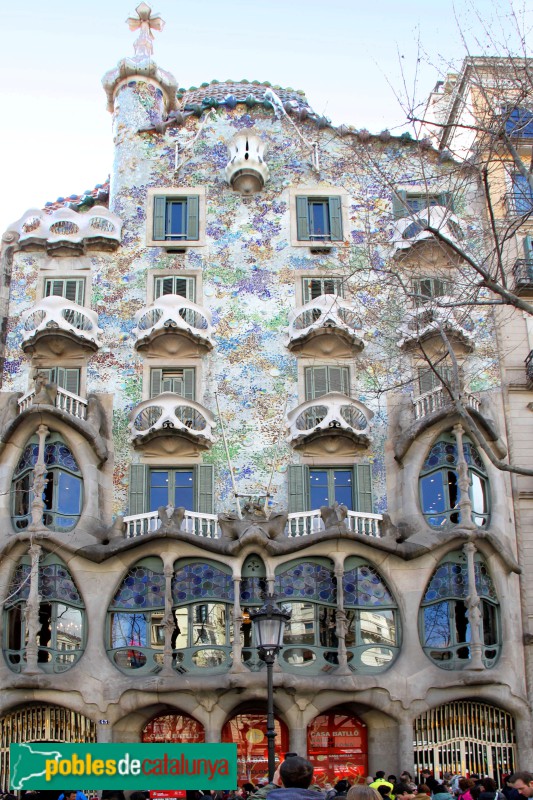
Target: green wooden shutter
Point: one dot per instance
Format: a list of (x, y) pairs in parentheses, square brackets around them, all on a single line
[(137, 493), (74, 291), (446, 199), (69, 379), (363, 488), (156, 380), (426, 380), (160, 205), (528, 248), (339, 380), (192, 218), (316, 382), (204, 488), (335, 218), (302, 219), (298, 488), (399, 201), (188, 383)]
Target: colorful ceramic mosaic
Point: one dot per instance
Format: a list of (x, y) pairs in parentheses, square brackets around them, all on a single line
[(141, 588), (451, 580), (363, 586), (201, 582), (308, 581)]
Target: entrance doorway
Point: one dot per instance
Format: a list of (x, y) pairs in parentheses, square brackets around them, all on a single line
[(248, 732), (337, 747), (173, 728)]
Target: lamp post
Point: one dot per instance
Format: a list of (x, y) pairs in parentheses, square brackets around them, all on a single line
[(269, 623)]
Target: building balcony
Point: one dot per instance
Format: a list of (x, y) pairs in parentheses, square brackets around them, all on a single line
[(333, 424), (206, 526), (56, 326), (523, 276), (64, 401), (529, 370), (326, 326), (67, 232), (173, 325), (425, 325), (184, 425), (519, 203), (412, 231), (437, 399)]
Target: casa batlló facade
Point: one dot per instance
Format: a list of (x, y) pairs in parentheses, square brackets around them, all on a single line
[(213, 389)]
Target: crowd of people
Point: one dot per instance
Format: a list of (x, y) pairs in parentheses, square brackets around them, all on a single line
[(293, 780)]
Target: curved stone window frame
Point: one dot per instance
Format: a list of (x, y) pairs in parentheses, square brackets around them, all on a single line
[(64, 480), (310, 640), (443, 614), (62, 636), (202, 607), (373, 629), (438, 484)]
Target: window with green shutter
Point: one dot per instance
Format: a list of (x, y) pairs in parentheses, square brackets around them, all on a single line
[(428, 380), (178, 381), (65, 377), (427, 288), (319, 219), (313, 487), (184, 286), (322, 380), (406, 203), (315, 287), (176, 218), (69, 288), (190, 487)]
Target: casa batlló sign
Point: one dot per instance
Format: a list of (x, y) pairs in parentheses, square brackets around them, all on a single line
[(53, 765)]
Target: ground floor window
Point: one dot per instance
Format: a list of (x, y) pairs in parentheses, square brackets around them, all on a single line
[(337, 747), (248, 731)]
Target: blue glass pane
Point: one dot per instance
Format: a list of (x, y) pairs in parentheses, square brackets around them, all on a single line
[(519, 123), (308, 581), (437, 632), (158, 489), (141, 588), (451, 580), (68, 494), (252, 590), (128, 630), (28, 458), (176, 219), (318, 488), (204, 581), (184, 490), (343, 487), (363, 586), (19, 588), (55, 583), (319, 219), (523, 195), (441, 454), (432, 493)]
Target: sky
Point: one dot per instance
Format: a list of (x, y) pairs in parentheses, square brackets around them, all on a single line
[(355, 61)]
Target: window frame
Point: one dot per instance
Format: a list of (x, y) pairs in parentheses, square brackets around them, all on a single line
[(188, 381), (402, 197), (59, 376), (522, 195), (190, 286), (339, 284), (79, 288), (196, 194), (139, 486), (299, 490), (432, 282), (310, 380), (302, 196)]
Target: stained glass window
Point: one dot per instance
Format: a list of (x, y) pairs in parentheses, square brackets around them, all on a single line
[(141, 588), (200, 580), (364, 587), (307, 580)]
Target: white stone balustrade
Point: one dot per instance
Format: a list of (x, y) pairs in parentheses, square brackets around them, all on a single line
[(204, 525), (410, 230), (170, 412), (59, 314), (323, 313), (298, 524), (246, 171), (333, 411), (64, 400), (439, 398), (173, 312), (69, 227)]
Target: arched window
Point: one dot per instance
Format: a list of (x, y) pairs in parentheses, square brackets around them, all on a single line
[(372, 635), (202, 598), (445, 627), (63, 491), (61, 637), (439, 484), (308, 589)]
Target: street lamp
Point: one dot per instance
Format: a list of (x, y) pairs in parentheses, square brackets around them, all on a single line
[(269, 623)]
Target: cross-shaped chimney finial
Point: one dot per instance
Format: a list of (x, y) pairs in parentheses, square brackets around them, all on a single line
[(145, 22)]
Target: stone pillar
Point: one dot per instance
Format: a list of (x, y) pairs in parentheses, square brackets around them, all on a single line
[(465, 506), (104, 733), (405, 745), (236, 648), (168, 621), (39, 484), (298, 741), (473, 605), (341, 621), (31, 614)]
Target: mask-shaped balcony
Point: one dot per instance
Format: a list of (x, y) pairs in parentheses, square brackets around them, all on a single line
[(168, 424), (67, 232), (425, 325), (326, 326), (333, 424), (173, 326), (411, 231), (56, 326)]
